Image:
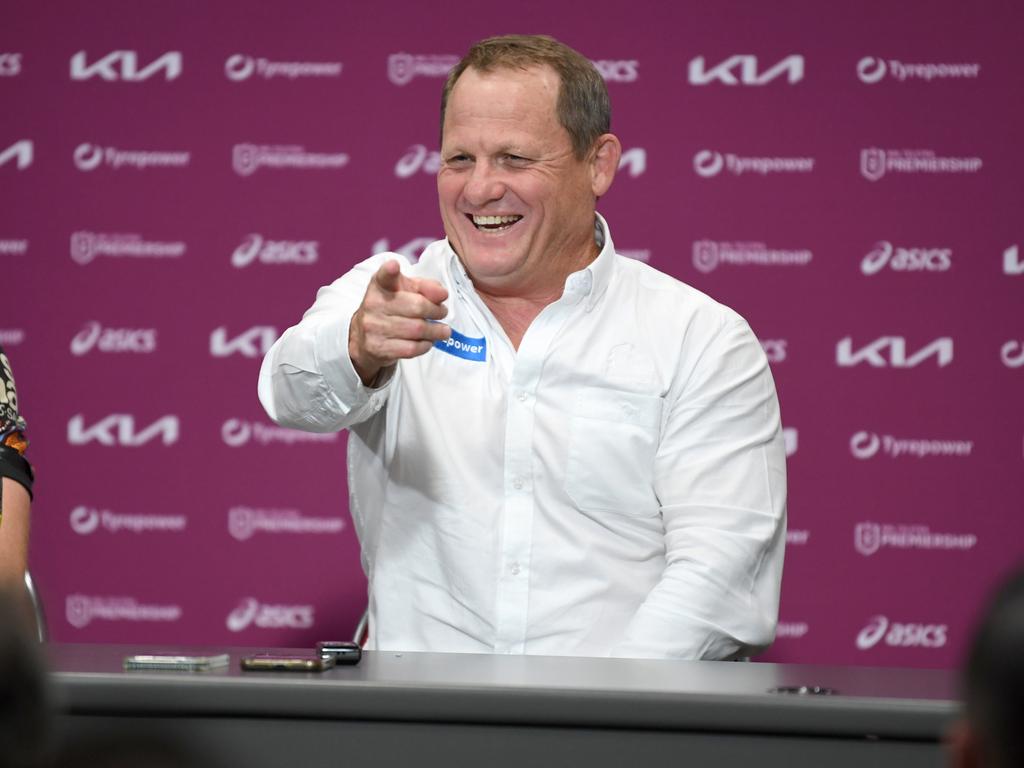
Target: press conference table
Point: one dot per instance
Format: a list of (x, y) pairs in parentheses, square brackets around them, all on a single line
[(420, 709)]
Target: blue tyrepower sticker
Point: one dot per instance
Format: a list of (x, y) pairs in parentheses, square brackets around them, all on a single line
[(464, 347)]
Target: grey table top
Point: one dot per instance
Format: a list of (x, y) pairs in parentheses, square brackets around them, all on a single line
[(537, 690)]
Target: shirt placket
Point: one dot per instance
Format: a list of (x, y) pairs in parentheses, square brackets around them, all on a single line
[(512, 598)]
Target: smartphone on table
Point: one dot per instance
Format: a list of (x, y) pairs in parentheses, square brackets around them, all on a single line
[(343, 651), (175, 661), (287, 662)]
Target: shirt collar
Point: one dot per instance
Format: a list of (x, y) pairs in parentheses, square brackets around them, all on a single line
[(591, 281), (600, 269)]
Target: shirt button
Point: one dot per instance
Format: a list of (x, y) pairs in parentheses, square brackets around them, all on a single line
[(518, 483), (377, 405), (522, 397), (515, 569)]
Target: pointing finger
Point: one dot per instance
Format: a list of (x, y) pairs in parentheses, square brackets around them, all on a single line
[(389, 276)]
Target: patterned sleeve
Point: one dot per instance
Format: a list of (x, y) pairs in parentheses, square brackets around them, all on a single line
[(12, 430)]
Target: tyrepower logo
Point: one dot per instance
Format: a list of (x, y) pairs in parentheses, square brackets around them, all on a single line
[(901, 635), (140, 341), (885, 254), (86, 246), (403, 67), (256, 248), (119, 429), (246, 159), (891, 352), (243, 522), (709, 256), (708, 163), (82, 610), (867, 445), (412, 250), (87, 520), (1012, 353), (124, 66), (10, 64), (1013, 264), (744, 70), (241, 67), (254, 343), (872, 69), (237, 432), (20, 152), (89, 157), (876, 163), (251, 612), (870, 537)]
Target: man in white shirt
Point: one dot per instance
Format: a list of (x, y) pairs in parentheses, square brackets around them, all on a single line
[(553, 449)]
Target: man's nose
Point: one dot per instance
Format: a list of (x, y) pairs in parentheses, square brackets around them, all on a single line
[(484, 185)]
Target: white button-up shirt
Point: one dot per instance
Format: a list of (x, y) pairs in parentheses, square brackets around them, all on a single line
[(616, 486)]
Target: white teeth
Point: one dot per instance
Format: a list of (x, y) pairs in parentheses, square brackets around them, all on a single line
[(482, 221)]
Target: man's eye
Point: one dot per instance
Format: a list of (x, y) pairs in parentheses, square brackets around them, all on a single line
[(457, 160), (516, 159)]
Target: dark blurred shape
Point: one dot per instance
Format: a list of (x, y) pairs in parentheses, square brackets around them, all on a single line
[(25, 710), (136, 748), (992, 732)]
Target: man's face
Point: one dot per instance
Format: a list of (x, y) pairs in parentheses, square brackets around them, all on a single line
[(517, 205)]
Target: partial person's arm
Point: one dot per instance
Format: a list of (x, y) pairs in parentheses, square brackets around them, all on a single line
[(334, 368), (14, 526), (16, 480), (720, 475)]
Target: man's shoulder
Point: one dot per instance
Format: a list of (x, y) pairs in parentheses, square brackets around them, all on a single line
[(661, 293)]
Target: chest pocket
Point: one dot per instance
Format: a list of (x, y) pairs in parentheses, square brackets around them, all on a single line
[(613, 439)]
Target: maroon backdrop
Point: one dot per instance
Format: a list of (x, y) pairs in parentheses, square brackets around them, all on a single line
[(178, 179)]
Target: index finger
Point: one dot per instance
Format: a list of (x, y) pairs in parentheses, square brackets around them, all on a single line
[(389, 276)]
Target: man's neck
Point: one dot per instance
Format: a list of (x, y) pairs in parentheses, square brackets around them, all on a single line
[(515, 312)]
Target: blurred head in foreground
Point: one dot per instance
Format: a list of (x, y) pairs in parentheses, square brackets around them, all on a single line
[(24, 699), (992, 731)]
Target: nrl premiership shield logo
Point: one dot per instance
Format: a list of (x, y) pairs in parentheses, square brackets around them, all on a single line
[(867, 538), (872, 163), (400, 68), (705, 255)]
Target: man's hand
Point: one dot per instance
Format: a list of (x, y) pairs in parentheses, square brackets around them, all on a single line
[(392, 323)]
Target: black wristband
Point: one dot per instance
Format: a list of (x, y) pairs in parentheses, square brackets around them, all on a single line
[(16, 467)]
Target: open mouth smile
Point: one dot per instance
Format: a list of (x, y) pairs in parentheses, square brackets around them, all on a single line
[(493, 223)]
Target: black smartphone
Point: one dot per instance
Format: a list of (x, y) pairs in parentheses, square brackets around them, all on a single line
[(342, 651), (291, 662)]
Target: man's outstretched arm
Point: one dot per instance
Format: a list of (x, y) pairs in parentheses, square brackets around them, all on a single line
[(333, 369)]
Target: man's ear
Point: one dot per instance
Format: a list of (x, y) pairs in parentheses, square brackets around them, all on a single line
[(604, 162)]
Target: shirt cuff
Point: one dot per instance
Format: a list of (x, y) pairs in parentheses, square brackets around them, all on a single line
[(339, 373)]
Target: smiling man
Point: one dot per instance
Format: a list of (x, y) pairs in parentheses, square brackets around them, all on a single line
[(553, 449)]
